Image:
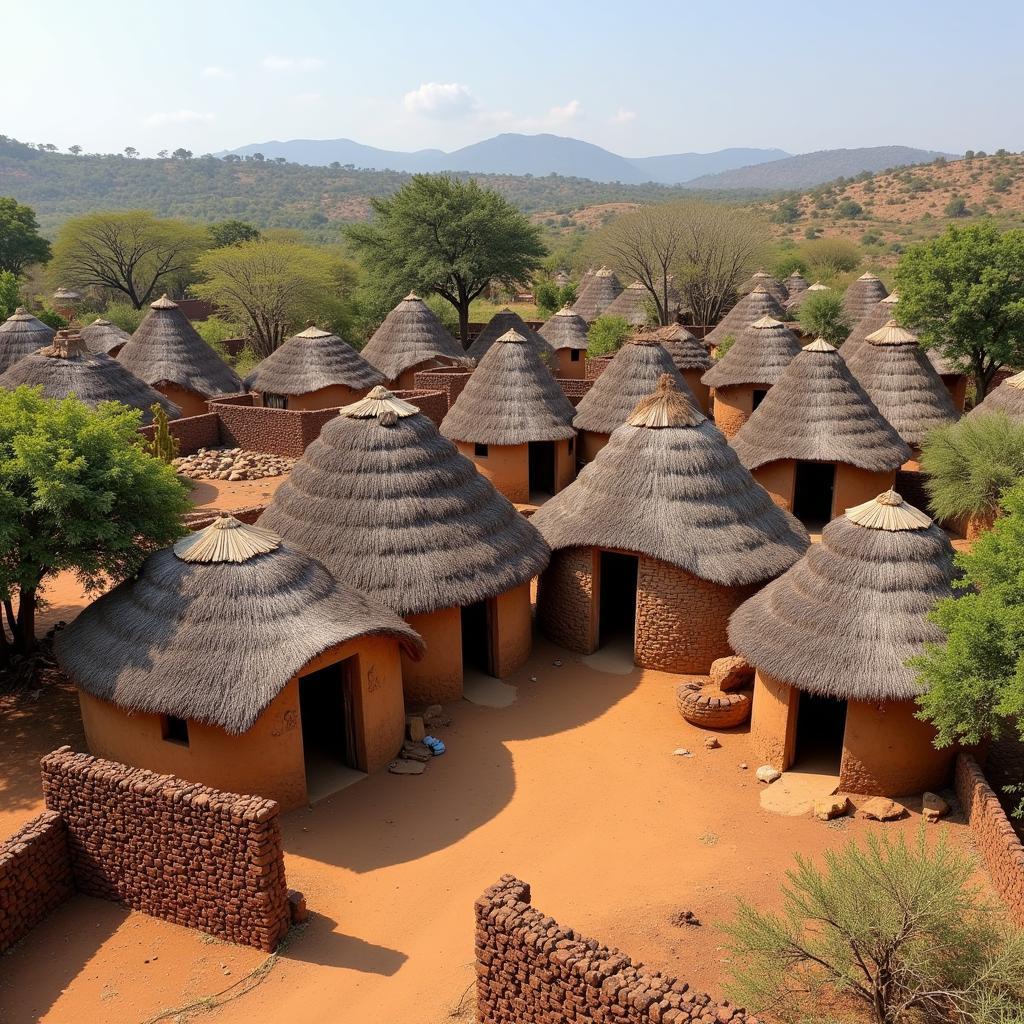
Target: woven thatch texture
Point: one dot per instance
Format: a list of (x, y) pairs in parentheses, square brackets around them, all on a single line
[(631, 376), (795, 284), (877, 316), (392, 508), (103, 336), (795, 301), (166, 348), (778, 291), (686, 351), (20, 334), (860, 296), (310, 361), (633, 305), (410, 334), (597, 294), (511, 398), (500, 324), (846, 618), (1007, 398), (751, 307), (759, 355), (566, 329), (215, 642), (817, 411)]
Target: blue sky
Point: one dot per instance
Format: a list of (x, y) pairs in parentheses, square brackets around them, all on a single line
[(639, 79)]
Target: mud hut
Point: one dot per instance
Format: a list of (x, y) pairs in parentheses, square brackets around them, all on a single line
[(1007, 398), (168, 355), (743, 376), (792, 307), (393, 509), (235, 660), (860, 296), (65, 302), (21, 334), (795, 284), (660, 538), (954, 377), (411, 338), (597, 294), (566, 333), (103, 336), (66, 367), (816, 442), (630, 377), (313, 370), (753, 306), (634, 304), (772, 285), (499, 325), (691, 359), (830, 641), (514, 423)]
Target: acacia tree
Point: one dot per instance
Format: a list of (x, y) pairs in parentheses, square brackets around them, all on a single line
[(20, 242), (448, 237), (133, 253)]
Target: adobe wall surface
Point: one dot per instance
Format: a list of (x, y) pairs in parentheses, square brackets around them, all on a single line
[(191, 403), (732, 407), (513, 629), (192, 432), (773, 719), (779, 480), (855, 486), (260, 428), (567, 596), (588, 444), (450, 381), (575, 387), (596, 366), (437, 677), (530, 970), (507, 466), (956, 385), (35, 876), (433, 404), (700, 391), (332, 397), (173, 849), (406, 380), (565, 463), (568, 368)]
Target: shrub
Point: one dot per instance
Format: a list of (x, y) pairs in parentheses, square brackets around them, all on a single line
[(786, 212), (724, 345), (956, 207), (789, 264), (445, 312), (9, 294), (821, 315), (606, 335), (124, 315), (1002, 182), (850, 209), (546, 294), (827, 257)]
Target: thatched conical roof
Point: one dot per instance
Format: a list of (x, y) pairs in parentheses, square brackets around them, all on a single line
[(566, 329), (795, 301), (66, 367), (668, 485), (860, 296), (213, 628), (1007, 398), (103, 336), (510, 398), (20, 334), (633, 304), (772, 285), (630, 377), (597, 294), (686, 351), (392, 508), (844, 621), (410, 334), (795, 284), (498, 326), (751, 307), (903, 384), (817, 411), (167, 349), (877, 316), (310, 361), (759, 355)]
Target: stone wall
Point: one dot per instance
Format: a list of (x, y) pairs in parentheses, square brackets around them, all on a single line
[(35, 876), (192, 432), (192, 855), (597, 366), (576, 387), (567, 600), (530, 970), (993, 835)]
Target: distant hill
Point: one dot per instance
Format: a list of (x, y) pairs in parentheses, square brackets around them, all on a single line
[(810, 169)]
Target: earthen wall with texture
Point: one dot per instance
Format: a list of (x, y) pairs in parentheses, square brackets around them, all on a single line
[(567, 599), (450, 381)]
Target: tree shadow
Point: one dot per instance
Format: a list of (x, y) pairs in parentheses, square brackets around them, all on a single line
[(319, 942)]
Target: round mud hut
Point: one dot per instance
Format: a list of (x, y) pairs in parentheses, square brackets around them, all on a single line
[(860, 296), (313, 370), (743, 376), (778, 291), (1007, 398), (167, 354), (566, 333), (830, 641), (514, 423), (691, 359), (597, 294), (103, 336), (235, 660), (793, 304), (817, 443), (66, 367), (753, 306), (659, 540), (634, 304), (795, 284), (20, 335), (392, 508), (498, 326), (410, 339)]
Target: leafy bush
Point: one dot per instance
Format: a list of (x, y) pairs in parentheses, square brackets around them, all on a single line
[(789, 264), (445, 312), (606, 335), (546, 294), (1002, 183), (827, 257), (723, 346), (850, 209), (124, 315), (786, 212), (956, 207), (10, 294), (821, 316), (52, 318)]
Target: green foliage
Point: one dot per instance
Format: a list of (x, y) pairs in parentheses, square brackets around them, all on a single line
[(894, 931), (124, 315), (1002, 183), (789, 264), (164, 445), (811, 233), (246, 361), (606, 335), (827, 257), (787, 212), (444, 312), (51, 318), (550, 298), (21, 245), (231, 232), (216, 332), (821, 315), (956, 207), (850, 209), (10, 293), (723, 346)]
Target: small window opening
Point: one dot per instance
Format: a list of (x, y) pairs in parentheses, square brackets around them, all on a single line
[(175, 730), (480, 451), (575, 357)]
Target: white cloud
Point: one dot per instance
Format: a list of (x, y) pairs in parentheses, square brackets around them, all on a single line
[(440, 100), (308, 97), (622, 116), (563, 115), (278, 63), (216, 72), (178, 117)]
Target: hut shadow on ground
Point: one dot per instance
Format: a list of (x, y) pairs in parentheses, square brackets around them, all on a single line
[(320, 943)]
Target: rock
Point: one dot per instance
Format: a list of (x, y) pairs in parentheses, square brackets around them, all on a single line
[(933, 807), (712, 743), (767, 774), (731, 673), (685, 919), (880, 808), (415, 728), (403, 767), (829, 807), (557, 664), (415, 751), (682, 752), (744, 765)]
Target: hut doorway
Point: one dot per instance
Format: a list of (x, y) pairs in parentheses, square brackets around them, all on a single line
[(329, 744), (812, 492), (758, 397), (478, 637), (542, 468), (617, 615), (820, 725)]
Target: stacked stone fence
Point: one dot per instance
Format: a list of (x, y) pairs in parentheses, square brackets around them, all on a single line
[(530, 970), (593, 368), (575, 388)]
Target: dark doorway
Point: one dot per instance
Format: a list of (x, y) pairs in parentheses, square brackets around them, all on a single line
[(327, 710), (820, 724), (272, 401), (618, 597), (758, 397), (477, 646), (542, 467), (812, 492)]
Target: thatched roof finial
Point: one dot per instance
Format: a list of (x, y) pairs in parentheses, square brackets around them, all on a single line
[(511, 337), (412, 297), (888, 512), (374, 406), (226, 540), (1016, 381), (164, 302), (66, 344), (891, 334), (666, 407), (820, 345)]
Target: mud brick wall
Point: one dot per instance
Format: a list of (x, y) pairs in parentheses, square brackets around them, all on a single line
[(448, 380), (177, 850), (433, 404), (242, 398), (35, 876), (274, 431), (993, 835), (575, 388), (566, 600), (530, 970), (192, 432), (596, 366)]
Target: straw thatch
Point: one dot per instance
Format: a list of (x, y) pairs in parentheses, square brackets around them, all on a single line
[(597, 294), (103, 336), (759, 355), (510, 398), (903, 384), (876, 317), (772, 285), (167, 350), (631, 376), (795, 284), (310, 361), (686, 351), (633, 304), (818, 411), (845, 619), (498, 326), (216, 640), (392, 508), (20, 334), (668, 485), (63, 294), (797, 300), (1007, 398), (410, 335), (860, 296), (67, 367), (566, 329), (751, 307)]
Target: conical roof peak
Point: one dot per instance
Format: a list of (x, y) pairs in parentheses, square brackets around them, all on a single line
[(666, 407), (888, 512), (511, 336), (164, 302), (820, 345), (377, 405), (1016, 381), (312, 331), (891, 334), (226, 540), (766, 321)]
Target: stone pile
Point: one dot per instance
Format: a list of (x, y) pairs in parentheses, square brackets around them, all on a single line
[(415, 754), (231, 464)]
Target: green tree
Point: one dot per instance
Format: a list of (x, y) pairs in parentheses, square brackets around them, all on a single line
[(788, 264), (124, 315), (850, 209), (21, 245), (547, 295), (231, 232), (787, 212), (963, 293), (606, 335), (77, 493), (10, 294), (449, 237), (821, 315), (896, 932), (132, 253)]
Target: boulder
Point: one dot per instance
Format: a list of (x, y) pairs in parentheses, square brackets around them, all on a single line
[(403, 767), (830, 807), (933, 807), (712, 743), (880, 808), (732, 673), (767, 774)]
